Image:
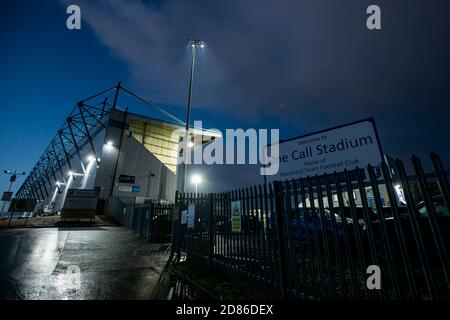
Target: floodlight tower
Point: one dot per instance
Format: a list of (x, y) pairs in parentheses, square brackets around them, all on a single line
[(194, 44)]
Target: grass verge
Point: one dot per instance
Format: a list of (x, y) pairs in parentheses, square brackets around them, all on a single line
[(219, 284)]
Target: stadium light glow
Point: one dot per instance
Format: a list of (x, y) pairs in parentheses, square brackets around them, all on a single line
[(196, 179)]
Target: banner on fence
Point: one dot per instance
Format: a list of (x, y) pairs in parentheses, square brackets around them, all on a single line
[(336, 149), (236, 225), (184, 218), (191, 215)]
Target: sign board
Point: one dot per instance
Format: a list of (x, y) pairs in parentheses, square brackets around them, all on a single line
[(80, 203), (129, 188), (123, 178), (22, 205), (191, 215), (125, 188), (344, 147), (184, 217), (236, 223), (141, 200), (7, 195)]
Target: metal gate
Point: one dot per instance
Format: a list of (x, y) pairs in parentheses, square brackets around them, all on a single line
[(153, 221)]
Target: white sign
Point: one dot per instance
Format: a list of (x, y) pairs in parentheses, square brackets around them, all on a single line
[(336, 149), (81, 199), (191, 215), (125, 188), (140, 200), (184, 217)]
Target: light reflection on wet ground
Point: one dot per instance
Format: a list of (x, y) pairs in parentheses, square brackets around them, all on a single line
[(113, 263)]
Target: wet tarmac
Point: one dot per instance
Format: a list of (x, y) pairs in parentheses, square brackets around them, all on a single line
[(78, 263)]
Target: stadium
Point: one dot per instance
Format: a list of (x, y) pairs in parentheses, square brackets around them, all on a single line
[(105, 147)]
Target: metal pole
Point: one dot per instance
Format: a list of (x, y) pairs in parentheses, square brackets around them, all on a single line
[(103, 107), (9, 189), (80, 107), (211, 229), (4, 203), (64, 150), (114, 177), (186, 135), (116, 95), (57, 158), (51, 166), (280, 236), (12, 180), (75, 143)]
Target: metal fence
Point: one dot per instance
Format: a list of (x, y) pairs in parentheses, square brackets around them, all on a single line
[(320, 237), (152, 221)]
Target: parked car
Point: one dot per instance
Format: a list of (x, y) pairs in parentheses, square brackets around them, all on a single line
[(422, 217), (303, 226), (358, 211)]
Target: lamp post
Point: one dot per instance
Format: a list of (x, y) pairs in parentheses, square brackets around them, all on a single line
[(194, 44), (12, 179), (196, 179)]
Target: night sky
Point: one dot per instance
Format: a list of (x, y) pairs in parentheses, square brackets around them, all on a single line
[(300, 65)]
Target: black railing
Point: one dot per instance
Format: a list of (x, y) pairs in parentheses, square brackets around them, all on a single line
[(324, 237), (153, 221)]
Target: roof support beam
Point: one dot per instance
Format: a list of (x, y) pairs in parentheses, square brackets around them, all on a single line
[(64, 149), (80, 106), (69, 124)]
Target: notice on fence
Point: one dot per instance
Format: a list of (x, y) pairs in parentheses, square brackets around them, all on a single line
[(184, 217), (191, 215), (236, 216)]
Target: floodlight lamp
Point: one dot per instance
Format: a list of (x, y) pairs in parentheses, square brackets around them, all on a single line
[(196, 179)]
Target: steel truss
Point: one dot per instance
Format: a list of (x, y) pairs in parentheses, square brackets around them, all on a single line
[(64, 149)]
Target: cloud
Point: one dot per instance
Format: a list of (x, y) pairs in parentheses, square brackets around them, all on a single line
[(302, 64)]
